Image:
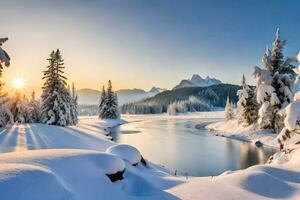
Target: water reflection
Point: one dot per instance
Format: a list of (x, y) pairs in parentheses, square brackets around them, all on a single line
[(179, 146)]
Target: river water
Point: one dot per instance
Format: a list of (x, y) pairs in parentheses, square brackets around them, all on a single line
[(178, 145)]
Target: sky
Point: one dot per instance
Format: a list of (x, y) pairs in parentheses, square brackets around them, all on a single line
[(144, 43)]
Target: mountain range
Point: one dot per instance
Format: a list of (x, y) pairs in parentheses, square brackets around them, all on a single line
[(92, 97)]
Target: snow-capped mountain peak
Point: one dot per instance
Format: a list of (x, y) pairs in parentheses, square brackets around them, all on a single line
[(156, 90), (198, 81)]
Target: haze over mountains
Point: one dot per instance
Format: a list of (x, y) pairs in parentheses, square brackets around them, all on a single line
[(91, 96)]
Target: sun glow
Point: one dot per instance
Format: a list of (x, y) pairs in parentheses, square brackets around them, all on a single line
[(18, 83)]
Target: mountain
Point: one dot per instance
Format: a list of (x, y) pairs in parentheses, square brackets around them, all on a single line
[(91, 97), (88, 96), (208, 98), (156, 90), (198, 81)]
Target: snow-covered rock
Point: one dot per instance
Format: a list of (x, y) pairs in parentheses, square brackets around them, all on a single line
[(126, 152)]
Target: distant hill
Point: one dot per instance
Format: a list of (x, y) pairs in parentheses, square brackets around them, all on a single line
[(91, 97), (197, 81), (88, 96), (214, 96)]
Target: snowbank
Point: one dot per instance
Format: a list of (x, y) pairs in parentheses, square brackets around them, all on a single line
[(76, 174), (252, 133), (270, 181), (126, 152)]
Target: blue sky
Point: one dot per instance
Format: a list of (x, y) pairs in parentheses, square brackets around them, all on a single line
[(138, 44)]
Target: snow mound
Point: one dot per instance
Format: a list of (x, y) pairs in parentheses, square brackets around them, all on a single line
[(74, 174), (126, 152), (16, 183), (107, 163), (265, 181)]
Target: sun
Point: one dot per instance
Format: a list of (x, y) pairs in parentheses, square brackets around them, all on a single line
[(18, 83)]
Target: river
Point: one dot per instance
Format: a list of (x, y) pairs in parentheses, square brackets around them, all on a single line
[(178, 145)]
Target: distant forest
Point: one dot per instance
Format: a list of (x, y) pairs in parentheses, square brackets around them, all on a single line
[(188, 99)]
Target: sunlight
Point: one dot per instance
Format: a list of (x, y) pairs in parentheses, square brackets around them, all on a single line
[(18, 83)]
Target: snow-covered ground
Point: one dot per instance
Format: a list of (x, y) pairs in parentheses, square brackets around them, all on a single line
[(49, 162), (252, 133)]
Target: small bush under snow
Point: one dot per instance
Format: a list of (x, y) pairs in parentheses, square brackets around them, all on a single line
[(126, 152)]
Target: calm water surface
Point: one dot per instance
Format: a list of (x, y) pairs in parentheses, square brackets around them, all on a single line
[(178, 145)]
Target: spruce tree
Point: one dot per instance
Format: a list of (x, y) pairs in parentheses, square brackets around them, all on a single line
[(110, 108), (228, 113), (56, 99), (247, 106), (274, 85)]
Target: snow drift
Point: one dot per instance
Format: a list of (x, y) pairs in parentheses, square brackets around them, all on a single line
[(126, 152)]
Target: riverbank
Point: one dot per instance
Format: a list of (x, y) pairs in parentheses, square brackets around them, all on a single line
[(233, 130)]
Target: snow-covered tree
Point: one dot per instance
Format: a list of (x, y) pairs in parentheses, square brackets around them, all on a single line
[(74, 106), (172, 109), (5, 114), (229, 113), (274, 85), (18, 107), (110, 109), (33, 110), (56, 98), (102, 102), (247, 107), (290, 134), (4, 57)]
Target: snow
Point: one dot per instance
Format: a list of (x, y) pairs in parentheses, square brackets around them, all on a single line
[(52, 162), (269, 181), (71, 174), (126, 152), (253, 133), (293, 115)]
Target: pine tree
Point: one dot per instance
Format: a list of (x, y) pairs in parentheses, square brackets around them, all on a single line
[(274, 85), (56, 99), (247, 106), (102, 102), (110, 108), (228, 110)]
